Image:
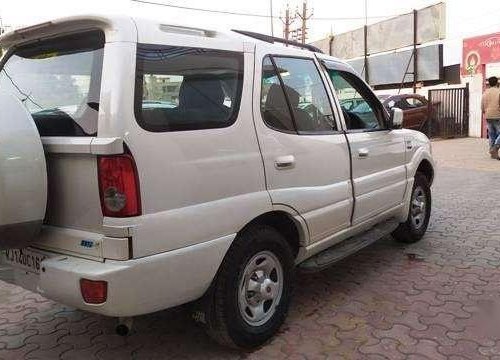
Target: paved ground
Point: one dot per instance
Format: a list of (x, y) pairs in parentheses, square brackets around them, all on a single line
[(433, 300)]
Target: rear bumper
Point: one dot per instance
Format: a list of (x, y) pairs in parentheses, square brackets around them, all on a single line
[(135, 287)]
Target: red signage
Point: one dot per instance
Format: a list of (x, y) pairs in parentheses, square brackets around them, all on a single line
[(480, 50)]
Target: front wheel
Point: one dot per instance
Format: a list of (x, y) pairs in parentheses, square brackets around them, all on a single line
[(415, 226), (249, 299)]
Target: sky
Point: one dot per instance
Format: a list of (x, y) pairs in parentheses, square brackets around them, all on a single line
[(464, 18), (14, 12)]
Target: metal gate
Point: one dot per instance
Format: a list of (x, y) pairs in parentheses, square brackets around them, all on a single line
[(448, 112)]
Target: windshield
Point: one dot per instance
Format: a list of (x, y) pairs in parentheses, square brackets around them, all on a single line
[(59, 82)]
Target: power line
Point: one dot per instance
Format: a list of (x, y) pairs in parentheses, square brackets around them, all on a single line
[(252, 14)]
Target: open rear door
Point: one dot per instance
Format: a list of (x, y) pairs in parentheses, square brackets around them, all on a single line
[(23, 175)]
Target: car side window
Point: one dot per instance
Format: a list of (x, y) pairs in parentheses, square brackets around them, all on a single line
[(273, 104), (295, 82), (183, 88), (306, 94), (367, 114), (414, 102), (402, 104)]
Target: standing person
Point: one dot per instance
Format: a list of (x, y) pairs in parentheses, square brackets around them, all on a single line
[(490, 106)]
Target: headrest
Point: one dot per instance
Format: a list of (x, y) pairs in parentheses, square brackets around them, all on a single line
[(275, 98), (201, 92)]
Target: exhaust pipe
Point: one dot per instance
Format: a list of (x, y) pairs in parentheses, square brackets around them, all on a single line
[(124, 326)]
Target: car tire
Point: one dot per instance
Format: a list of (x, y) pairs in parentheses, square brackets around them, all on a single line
[(259, 259), (415, 226)]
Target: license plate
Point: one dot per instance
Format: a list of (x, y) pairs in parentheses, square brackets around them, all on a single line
[(25, 259)]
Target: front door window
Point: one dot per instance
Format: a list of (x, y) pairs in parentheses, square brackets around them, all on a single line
[(361, 111)]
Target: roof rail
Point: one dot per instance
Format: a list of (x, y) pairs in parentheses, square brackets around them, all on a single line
[(273, 39)]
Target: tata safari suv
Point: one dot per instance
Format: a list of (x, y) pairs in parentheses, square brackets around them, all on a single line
[(145, 165)]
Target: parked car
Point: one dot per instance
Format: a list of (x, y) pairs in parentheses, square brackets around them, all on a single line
[(415, 109), (214, 201)]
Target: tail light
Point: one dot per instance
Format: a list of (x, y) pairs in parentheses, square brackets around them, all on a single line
[(119, 186), (94, 291)]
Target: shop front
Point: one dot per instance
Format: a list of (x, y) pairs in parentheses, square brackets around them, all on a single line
[(481, 59)]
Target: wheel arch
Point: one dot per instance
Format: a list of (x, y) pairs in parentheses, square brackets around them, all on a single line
[(422, 162), (282, 218), (286, 224), (425, 167)]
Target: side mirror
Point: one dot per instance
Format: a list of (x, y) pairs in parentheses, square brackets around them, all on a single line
[(396, 120)]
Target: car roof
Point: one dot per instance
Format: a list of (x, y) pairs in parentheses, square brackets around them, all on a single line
[(150, 30)]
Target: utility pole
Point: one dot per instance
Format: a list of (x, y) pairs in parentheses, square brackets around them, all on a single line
[(415, 57), (287, 21), (2, 30), (366, 12), (272, 19), (304, 16), (365, 35)]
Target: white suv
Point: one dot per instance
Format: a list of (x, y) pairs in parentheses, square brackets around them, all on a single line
[(187, 165)]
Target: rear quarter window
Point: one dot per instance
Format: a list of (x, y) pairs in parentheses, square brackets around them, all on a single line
[(183, 88)]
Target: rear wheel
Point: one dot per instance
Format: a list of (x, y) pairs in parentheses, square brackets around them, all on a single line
[(415, 226), (250, 297)]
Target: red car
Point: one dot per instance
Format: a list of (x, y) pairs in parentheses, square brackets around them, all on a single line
[(415, 109)]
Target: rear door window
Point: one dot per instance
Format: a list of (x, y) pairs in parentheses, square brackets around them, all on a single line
[(182, 88), (306, 94), (273, 104), (59, 82), (294, 97)]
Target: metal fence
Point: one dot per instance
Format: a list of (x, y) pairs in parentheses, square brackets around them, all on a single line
[(448, 112)]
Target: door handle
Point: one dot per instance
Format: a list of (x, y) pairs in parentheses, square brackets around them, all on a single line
[(363, 153), (284, 162)]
